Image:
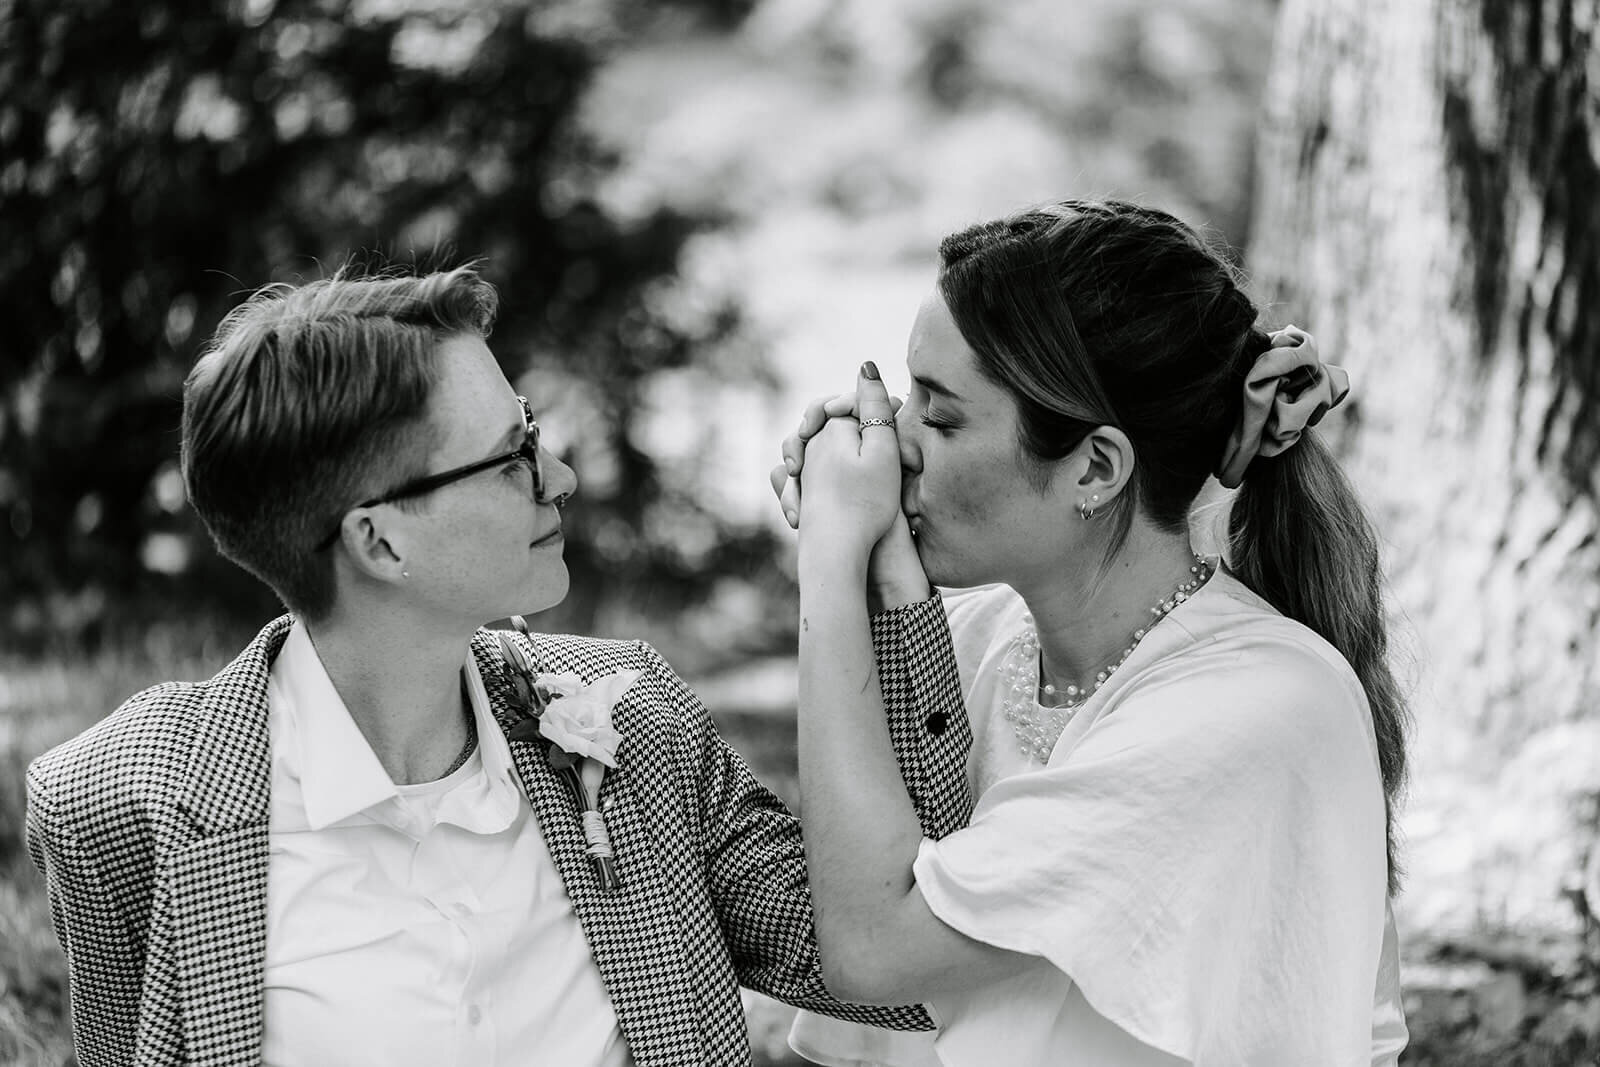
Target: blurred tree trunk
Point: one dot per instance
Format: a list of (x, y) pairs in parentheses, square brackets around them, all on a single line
[(1429, 206)]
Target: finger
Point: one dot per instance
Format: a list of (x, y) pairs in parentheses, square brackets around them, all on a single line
[(873, 408), (896, 403), (816, 416), (787, 490), (789, 501), (794, 455), (820, 411), (843, 404)]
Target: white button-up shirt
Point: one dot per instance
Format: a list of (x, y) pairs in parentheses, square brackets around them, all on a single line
[(417, 924)]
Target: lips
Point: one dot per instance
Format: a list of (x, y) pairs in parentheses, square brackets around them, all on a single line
[(548, 539)]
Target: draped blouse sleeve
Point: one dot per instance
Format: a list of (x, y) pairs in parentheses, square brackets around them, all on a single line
[(1204, 862)]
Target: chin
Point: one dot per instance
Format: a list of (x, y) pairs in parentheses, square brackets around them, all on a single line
[(938, 571), (947, 573), (544, 593)]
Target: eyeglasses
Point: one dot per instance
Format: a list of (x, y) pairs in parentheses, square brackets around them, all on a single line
[(527, 450)]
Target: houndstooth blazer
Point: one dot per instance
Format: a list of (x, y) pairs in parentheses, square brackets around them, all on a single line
[(151, 832)]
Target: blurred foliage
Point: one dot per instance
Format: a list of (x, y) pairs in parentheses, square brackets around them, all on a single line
[(751, 196), (159, 160)]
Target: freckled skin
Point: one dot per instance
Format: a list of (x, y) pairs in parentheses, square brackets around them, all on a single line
[(473, 538)]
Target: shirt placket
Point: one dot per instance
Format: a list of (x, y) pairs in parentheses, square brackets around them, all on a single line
[(439, 882)]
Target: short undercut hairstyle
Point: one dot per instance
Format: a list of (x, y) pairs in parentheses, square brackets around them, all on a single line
[(310, 398)]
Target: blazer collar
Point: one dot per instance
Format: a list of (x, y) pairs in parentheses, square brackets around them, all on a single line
[(211, 907), (228, 755)]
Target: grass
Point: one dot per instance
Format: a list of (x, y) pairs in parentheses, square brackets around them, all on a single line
[(42, 704)]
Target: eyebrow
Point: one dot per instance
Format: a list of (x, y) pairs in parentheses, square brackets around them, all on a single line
[(936, 387)]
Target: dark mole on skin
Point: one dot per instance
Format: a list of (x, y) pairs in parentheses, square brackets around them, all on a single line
[(805, 627)]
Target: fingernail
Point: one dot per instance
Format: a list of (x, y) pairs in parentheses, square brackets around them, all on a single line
[(788, 465), (869, 371), (793, 520)]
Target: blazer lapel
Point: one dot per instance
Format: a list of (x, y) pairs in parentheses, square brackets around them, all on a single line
[(633, 931), (210, 912)]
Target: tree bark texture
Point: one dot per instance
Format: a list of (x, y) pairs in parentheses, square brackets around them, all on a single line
[(1429, 207)]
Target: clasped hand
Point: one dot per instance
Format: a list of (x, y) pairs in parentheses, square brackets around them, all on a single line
[(850, 479), (848, 474)]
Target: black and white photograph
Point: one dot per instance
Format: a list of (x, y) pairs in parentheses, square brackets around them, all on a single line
[(761, 533)]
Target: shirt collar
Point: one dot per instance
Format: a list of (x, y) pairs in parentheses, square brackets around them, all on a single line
[(339, 774), (489, 803)]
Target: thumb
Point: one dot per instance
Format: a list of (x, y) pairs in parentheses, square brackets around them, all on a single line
[(873, 408)]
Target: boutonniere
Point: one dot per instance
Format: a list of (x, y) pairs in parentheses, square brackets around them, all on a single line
[(574, 720)]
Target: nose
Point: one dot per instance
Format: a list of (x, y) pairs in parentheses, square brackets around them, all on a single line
[(560, 480), (906, 429)]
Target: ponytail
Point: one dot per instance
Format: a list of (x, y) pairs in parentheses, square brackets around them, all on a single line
[(1299, 538)]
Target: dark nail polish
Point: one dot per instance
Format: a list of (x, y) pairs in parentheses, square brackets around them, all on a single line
[(869, 371)]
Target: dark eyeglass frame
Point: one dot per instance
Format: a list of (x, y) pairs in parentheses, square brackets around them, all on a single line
[(528, 450)]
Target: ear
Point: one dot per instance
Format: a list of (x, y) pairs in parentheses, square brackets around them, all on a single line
[(373, 550), (1106, 457)]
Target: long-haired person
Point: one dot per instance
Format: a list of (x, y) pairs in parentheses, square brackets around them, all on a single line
[(1185, 766), (353, 845)]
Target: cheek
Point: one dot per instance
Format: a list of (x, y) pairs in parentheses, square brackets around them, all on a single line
[(956, 486), (968, 503)]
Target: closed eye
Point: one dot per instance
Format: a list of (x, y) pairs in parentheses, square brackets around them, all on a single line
[(938, 423)]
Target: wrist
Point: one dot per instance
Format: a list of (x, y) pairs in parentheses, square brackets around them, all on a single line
[(883, 596), (827, 566), (827, 543), (895, 576)]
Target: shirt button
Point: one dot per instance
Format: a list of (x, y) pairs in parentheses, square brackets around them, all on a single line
[(474, 1015), (937, 722)]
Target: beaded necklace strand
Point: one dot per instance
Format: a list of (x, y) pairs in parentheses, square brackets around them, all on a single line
[(1038, 724)]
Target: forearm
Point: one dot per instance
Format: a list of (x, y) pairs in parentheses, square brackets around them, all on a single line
[(862, 833)]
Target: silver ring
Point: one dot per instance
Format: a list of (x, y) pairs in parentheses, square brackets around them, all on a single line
[(876, 422)]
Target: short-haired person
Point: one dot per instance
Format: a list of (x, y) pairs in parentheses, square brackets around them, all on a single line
[(333, 852), (1184, 766)]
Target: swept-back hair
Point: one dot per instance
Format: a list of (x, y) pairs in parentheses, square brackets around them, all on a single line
[(307, 398), (1106, 313)]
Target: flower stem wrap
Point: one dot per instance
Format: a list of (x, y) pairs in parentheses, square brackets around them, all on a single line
[(574, 720)]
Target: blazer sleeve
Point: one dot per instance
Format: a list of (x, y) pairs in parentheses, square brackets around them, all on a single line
[(754, 853), (101, 959), (928, 723)]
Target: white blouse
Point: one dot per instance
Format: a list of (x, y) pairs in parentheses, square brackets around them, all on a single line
[(1199, 868)]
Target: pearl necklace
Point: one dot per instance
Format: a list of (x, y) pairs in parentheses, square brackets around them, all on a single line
[(1037, 724)]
